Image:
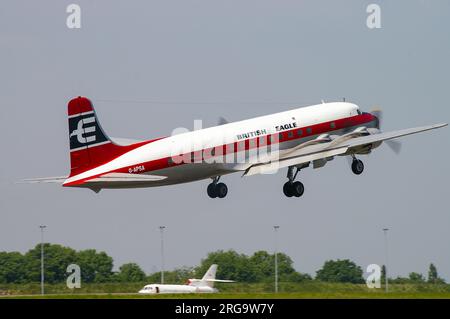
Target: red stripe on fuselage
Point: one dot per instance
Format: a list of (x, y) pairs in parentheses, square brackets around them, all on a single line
[(252, 143), (99, 155)]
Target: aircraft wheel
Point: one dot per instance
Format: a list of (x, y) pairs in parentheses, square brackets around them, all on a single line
[(288, 190), (221, 190), (357, 166), (211, 190), (298, 189)]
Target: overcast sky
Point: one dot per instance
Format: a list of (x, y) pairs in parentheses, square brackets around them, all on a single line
[(152, 66)]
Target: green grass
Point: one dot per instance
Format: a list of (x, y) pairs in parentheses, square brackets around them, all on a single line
[(309, 290)]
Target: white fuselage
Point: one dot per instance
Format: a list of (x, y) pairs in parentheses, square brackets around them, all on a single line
[(156, 158), (175, 289)]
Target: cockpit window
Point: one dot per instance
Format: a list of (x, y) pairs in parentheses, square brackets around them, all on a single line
[(359, 112)]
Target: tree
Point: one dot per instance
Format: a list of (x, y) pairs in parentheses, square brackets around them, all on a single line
[(260, 267), (57, 258), (383, 274), (415, 277), (263, 264), (177, 276), (12, 267), (232, 266), (433, 276), (95, 266), (131, 272), (340, 271), (296, 277)]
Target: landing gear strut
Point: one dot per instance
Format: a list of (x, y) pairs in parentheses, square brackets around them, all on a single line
[(216, 189), (357, 166), (292, 188)]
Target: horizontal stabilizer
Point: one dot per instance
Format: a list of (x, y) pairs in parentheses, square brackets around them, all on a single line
[(58, 179), (219, 280), (124, 177)]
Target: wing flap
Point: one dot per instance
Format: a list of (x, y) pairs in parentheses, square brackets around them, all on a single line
[(292, 161)]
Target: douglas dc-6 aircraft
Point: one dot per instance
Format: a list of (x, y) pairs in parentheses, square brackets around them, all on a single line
[(204, 285), (294, 139)]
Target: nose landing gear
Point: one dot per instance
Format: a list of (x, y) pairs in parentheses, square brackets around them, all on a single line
[(357, 166)]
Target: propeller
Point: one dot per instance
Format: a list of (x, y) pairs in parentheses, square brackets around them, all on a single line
[(222, 121), (395, 146)]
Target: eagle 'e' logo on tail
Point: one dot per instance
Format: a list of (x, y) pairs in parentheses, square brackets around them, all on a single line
[(85, 131), (81, 131)]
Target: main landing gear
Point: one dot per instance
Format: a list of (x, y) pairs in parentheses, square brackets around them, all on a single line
[(357, 166), (291, 188), (216, 189)]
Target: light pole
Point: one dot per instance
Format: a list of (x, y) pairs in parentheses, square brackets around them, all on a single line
[(161, 228), (385, 230), (42, 258), (275, 228)]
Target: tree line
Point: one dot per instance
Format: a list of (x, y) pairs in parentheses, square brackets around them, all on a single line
[(97, 267)]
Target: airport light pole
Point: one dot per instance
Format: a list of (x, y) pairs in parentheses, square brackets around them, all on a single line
[(42, 258), (161, 228), (275, 228), (385, 230)]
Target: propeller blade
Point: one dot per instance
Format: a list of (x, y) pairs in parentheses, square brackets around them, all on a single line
[(379, 114), (222, 121), (395, 146)]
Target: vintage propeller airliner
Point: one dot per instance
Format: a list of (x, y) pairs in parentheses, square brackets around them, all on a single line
[(294, 139)]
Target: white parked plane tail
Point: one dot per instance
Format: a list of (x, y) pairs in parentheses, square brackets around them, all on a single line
[(208, 279)]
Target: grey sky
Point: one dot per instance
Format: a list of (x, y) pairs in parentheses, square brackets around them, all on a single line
[(238, 59)]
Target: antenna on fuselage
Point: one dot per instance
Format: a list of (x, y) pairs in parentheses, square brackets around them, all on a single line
[(343, 99)]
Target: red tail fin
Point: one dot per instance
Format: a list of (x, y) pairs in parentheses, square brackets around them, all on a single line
[(89, 145)]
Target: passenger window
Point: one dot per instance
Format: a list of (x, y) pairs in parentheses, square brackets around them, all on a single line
[(333, 125), (290, 134), (262, 140), (280, 136), (299, 132), (309, 130)]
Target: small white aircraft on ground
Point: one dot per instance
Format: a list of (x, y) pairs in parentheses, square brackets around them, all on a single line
[(204, 285), (294, 139)]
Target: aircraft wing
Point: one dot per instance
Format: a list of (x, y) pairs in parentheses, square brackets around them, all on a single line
[(390, 135), (325, 150)]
